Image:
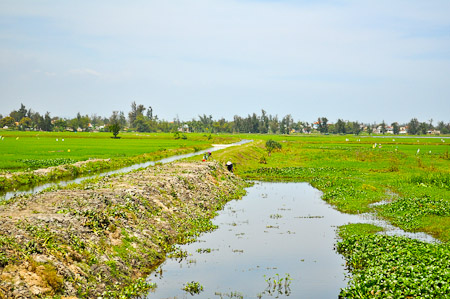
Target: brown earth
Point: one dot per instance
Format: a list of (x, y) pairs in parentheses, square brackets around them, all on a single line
[(106, 233)]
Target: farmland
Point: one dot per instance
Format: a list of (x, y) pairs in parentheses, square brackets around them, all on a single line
[(353, 174), (23, 152), (32, 150), (409, 176)]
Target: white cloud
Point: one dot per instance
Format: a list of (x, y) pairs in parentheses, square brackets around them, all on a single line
[(263, 52), (85, 71)]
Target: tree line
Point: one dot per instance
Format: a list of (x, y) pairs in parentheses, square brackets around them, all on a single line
[(143, 119)]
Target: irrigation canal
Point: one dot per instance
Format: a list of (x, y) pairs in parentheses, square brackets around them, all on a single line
[(39, 188), (278, 230)]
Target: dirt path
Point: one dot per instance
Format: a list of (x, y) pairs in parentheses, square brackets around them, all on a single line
[(103, 235)]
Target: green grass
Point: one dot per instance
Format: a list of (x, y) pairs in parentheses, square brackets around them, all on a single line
[(354, 174), (22, 151)]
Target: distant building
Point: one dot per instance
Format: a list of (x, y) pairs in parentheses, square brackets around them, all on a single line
[(434, 132), (184, 129), (403, 130)]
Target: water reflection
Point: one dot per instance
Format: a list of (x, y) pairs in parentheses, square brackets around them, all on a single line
[(277, 228)]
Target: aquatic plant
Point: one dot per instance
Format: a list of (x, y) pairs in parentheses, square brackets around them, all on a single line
[(193, 287), (276, 216), (395, 267), (278, 285)]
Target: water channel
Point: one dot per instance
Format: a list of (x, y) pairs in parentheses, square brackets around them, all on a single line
[(38, 188), (278, 230)]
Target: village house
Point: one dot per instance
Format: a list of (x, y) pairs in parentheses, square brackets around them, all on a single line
[(184, 129), (403, 130), (434, 132)]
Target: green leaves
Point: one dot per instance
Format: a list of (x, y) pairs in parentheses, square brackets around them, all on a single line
[(407, 212), (193, 287), (395, 267), (440, 180), (43, 163), (272, 145)]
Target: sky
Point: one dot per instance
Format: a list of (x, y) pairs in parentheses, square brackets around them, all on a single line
[(357, 60)]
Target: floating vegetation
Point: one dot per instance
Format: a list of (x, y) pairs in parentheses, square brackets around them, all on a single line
[(193, 287), (135, 289), (230, 295), (309, 217), (178, 253), (284, 209), (272, 226), (278, 285), (408, 213), (395, 267), (276, 216), (204, 250)]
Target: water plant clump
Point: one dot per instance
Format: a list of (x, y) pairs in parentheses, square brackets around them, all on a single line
[(395, 267), (278, 285), (276, 216), (193, 287), (408, 213)]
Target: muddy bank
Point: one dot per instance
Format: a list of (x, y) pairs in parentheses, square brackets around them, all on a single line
[(103, 235)]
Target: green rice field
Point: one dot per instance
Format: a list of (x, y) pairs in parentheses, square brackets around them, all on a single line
[(21, 151), (409, 175)]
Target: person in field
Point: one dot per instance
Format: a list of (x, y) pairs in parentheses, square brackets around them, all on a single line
[(206, 156), (230, 166)]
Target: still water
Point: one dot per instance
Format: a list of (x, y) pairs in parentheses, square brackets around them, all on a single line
[(277, 228)]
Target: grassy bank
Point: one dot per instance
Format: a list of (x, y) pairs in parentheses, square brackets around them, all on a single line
[(411, 176), (25, 154), (101, 238), (353, 173)]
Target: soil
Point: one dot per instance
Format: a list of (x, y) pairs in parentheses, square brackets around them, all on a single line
[(104, 234)]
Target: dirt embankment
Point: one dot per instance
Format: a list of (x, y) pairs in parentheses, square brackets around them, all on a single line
[(105, 234)]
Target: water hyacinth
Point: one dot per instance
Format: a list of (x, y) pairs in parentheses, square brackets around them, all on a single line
[(395, 267)]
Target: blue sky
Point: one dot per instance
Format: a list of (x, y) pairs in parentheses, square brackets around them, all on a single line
[(356, 60)]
